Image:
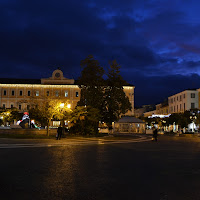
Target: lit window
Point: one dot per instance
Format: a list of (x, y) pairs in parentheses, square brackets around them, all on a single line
[(57, 93), (192, 105), (192, 95), (20, 92), (13, 92), (29, 93), (4, 92), (66, 93), (76, 94), (37, 94)]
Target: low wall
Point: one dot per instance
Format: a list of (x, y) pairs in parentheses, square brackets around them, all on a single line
[(28, 131)]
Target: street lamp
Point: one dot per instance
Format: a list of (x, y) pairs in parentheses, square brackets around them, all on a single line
[(62, 105), (68, 106)]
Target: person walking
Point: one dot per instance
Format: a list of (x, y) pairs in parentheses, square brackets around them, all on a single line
[(155, 133), (59, 132)]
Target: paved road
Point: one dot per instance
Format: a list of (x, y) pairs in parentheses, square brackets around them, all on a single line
[(100, 169), (27, 143)]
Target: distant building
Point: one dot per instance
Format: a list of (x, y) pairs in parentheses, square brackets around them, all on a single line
[(19, 92), (139, 112), (186, 100), (162, 108)]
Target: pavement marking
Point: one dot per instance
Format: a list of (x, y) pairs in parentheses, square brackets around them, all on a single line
[(71, 143)]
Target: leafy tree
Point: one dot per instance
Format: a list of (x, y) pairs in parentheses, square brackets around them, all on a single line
[(10, 114), (91, 83), (46, 109), (115, 100), (85, 120)]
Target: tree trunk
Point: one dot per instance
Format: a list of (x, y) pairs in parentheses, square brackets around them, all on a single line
[(48, 128)]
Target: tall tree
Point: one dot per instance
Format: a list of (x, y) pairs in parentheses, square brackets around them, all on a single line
[(91, 83), (116, 102)]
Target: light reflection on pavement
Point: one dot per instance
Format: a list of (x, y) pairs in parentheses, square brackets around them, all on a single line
[(67, 142)]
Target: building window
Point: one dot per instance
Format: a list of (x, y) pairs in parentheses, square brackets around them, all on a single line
[(56, 93), (4, 106), (29, 93), (13, 92), (37, 93), (20, 107), (66, 93), (20, 92), (177, 108), (180, 98), (28, 107), (174, 108), (192, 105), (180, 107), (184, 96), (177, 98), (184, 106), (174, 99), (4, 92), (192, 95), (11, 106), (76, 94), (47, 93)]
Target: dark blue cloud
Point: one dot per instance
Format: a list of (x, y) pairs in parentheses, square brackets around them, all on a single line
[(155, 42)]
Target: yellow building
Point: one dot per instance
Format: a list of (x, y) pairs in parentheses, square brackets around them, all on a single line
[(19, 92)]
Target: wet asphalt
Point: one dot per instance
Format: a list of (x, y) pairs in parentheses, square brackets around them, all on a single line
[(168, 169)]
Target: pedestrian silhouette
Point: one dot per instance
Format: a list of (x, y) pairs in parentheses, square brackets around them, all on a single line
[(59, 132), (155, 133)]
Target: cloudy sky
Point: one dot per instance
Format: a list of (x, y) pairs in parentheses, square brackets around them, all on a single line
[(156, 42)]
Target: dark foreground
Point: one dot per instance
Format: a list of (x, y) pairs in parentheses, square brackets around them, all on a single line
[(94, 169)]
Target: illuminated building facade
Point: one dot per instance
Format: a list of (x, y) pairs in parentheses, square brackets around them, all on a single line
[(186, 100), (19, 92)]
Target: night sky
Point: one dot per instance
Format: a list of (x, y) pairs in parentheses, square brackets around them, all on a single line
[(156, 42)]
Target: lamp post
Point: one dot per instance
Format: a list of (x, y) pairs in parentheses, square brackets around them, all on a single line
[(63, 109)]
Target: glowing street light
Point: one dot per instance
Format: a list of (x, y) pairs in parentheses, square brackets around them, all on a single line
[(62, 105)]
